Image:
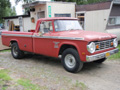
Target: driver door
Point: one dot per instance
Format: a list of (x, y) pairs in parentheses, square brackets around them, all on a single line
[(43, 42)]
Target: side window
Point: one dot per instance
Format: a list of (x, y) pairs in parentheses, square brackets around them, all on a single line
[(46, 26)]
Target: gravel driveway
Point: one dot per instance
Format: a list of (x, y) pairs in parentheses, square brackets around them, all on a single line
[(2, 47), (49, 72)]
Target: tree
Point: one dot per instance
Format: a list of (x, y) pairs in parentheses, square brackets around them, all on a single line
[(3, 5), (10, 11), (82, 1), (95, 1), (25, 1), (5, 9)]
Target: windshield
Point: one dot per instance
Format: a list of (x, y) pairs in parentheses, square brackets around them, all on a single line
[(65, 25)]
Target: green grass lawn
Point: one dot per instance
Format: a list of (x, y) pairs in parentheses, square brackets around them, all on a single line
[(5, 82), (4, 78), (7, 50), (28, 85), (4, 75), (117, 55)]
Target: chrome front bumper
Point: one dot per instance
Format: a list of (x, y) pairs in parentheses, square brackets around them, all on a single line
[(100, 55)]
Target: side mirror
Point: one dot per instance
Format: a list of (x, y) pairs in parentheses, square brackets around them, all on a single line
[(42, 28)]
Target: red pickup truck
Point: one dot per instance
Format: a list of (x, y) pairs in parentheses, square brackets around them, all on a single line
[(62, 36)]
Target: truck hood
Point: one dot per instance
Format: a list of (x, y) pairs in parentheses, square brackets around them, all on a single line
[(86, 35)]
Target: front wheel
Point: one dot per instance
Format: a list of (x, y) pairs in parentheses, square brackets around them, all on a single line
[(16, 52), (71, 60)]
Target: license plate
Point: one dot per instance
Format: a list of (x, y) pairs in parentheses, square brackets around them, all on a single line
[(107, 54)]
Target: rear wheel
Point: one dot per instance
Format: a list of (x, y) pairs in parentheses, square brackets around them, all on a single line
[(16, 52), (100, 60), (71, 60)]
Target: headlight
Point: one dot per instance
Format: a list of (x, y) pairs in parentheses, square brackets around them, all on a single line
[(115, 42), (91, 47)]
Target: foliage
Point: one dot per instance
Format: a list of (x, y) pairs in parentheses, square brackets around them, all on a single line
[(7, 50), (117, 55), (10, 11), (82, 1), (6, 10), (4, 78), (29, 86), (4, 75), (77, 1), (80, 85), (94, 1), (24, 1)]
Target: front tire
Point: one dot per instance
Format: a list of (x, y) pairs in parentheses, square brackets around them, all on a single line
[(71, 60), (16, 52)]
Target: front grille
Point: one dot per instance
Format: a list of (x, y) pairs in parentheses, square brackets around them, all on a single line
[(104, 44)]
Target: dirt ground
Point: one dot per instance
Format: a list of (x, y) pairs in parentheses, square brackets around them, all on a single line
[(1, 46), (46, 71)]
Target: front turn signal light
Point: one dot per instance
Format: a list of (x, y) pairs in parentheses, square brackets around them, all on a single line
[(97, 46), (111, 43)]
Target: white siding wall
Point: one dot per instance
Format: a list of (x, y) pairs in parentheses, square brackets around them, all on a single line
[(96, 20), (61, 8), (26, 23), (34, 14), (115, 31)]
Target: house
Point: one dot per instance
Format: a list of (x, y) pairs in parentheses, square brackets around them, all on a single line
[(100, 17), (39, 9), (42, 9), (22, 21)]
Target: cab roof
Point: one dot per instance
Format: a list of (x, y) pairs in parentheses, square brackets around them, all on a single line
[(58, 18)]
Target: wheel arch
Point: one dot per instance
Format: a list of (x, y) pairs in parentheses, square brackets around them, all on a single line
[(12, 41), (64, 46)]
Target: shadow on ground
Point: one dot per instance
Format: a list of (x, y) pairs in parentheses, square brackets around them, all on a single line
[(56, 62)]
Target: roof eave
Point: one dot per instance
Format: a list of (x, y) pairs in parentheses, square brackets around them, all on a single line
[(33, 4), (44, 2), (13, 17)]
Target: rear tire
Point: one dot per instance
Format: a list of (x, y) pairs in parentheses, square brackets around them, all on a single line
[(100, 60), (16, 52), (71, 60)]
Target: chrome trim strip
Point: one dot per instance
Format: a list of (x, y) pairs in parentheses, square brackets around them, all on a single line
[(103, 49), (100, 55), (18, 35), (104, 44), (51, 37), (58, 37)]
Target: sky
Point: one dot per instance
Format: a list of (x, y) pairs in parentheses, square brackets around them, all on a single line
[(18, 7)]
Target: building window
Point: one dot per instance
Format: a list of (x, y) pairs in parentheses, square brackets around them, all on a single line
[(41, 14), (114, 21), (62, 15)]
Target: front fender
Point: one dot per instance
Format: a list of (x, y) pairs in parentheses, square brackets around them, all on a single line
[(69, 43)]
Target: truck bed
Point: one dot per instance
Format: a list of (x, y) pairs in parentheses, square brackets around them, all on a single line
[(24, 39)]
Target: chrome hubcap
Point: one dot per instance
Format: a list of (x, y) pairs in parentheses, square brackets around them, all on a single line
[(70, 61), (15, 52)]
